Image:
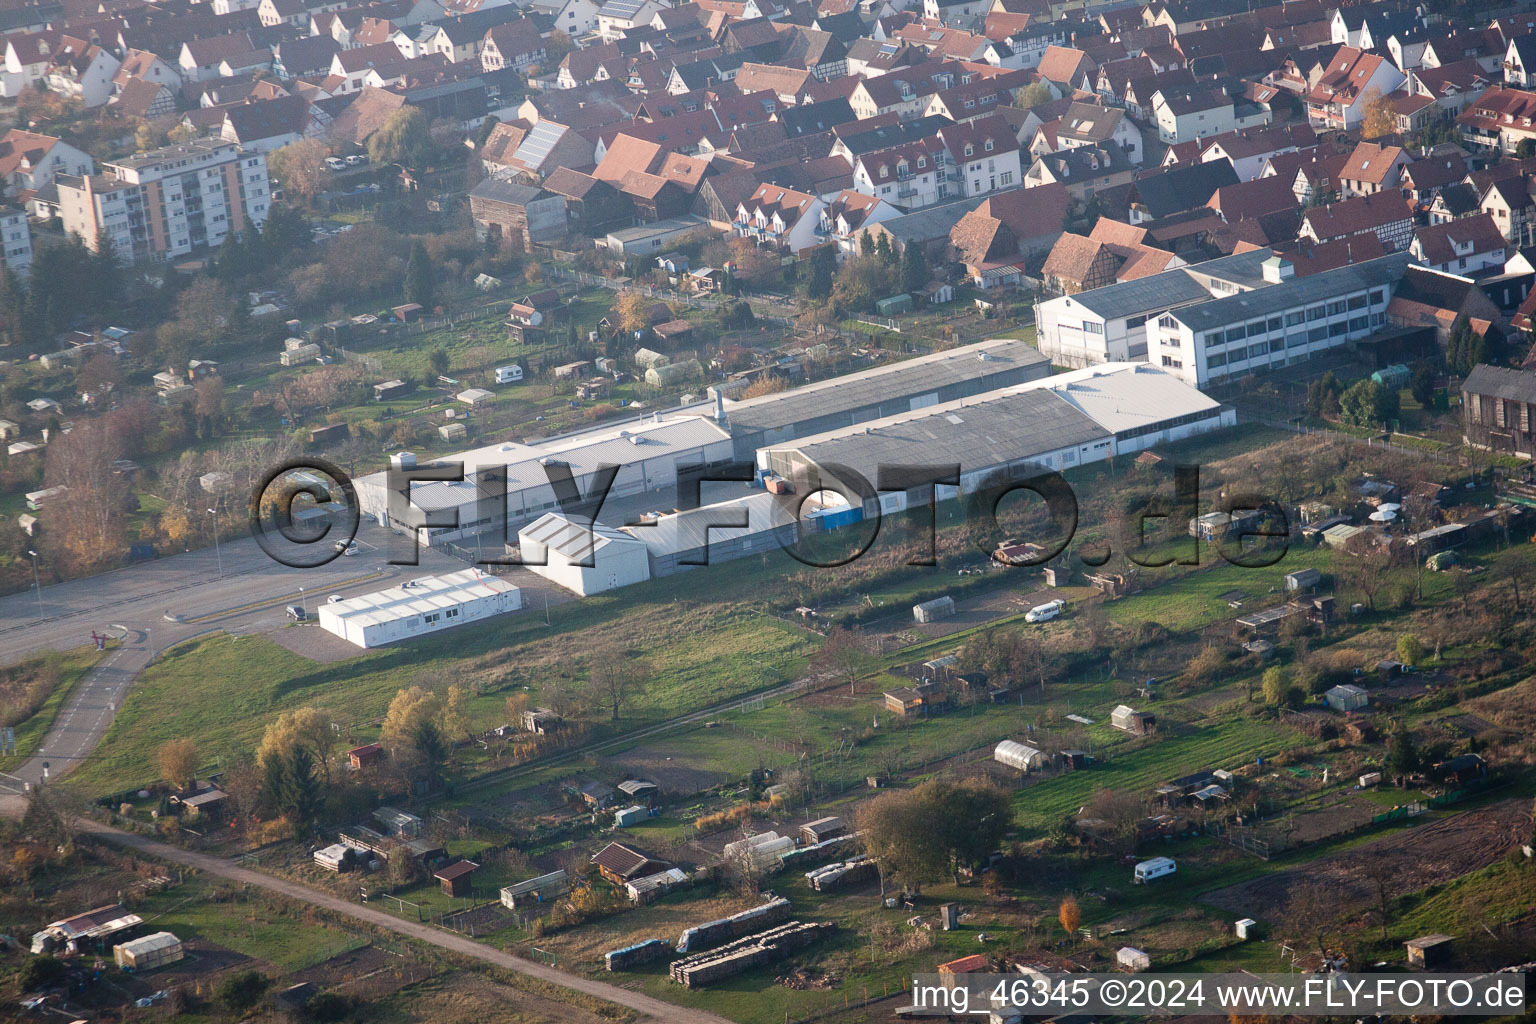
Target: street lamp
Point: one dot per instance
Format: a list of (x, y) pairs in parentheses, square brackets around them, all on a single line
[(37, 583), (301, 602), (218, 553)]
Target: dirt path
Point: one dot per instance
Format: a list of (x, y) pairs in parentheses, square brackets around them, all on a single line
[(643, 1004)]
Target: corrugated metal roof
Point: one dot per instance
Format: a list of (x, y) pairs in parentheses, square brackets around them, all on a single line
[(573, 540), (416, 597), (583, 453), (883, 383), (689, 530)]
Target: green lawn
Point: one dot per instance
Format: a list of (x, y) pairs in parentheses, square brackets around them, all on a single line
[(280, 933)]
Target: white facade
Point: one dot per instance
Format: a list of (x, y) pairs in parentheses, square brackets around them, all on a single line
[(584, 559), (16, 235), (169, 202), (1177, 125), (647, 453), (419, 606)]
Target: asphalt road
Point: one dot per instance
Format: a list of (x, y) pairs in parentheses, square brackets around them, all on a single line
[(655, 1009), (248, 596)]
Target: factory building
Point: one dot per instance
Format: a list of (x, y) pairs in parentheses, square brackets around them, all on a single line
[(684, 540), (1225, 318), (1106, 325), (648, 454), (1281, 325), (584, 558), (418, 606), (883, 391), (1064, 421)]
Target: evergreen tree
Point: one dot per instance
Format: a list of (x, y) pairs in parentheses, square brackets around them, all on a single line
[(883, 250), (823, 267), (914, 268), (285, 232), (420, 277), (106, 276), (300, 792), (866, 245), (229, 263), (1423, 385)]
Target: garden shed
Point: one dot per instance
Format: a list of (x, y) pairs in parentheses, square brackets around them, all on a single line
[(148, 952)]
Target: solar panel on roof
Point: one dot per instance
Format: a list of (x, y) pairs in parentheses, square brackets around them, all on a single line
[(538, 143)]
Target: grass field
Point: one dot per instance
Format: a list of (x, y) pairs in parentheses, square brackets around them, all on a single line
[(703, 653), (73, 665), (279, 933)]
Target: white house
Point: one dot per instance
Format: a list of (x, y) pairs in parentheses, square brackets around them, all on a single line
[(83, 73), (583, 558), (575, 18), (788, 220), (32, 161), (1185, 115), (16, 235), (617, 17), (1465, 246)]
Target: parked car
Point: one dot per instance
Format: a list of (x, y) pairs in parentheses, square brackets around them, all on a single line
[(335, 163), (356, 160), (335, 599), (296, 613)]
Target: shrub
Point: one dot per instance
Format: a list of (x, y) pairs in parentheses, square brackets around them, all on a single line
[(326, 1007), (39, 972), (242, 991)]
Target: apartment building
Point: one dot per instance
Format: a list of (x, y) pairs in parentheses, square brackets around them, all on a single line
[(168, 202), (16, 235)]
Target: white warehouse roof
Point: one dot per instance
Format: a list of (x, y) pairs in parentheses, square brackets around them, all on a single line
[(416, 597), (575, 541), (690, 529), (583, 453)]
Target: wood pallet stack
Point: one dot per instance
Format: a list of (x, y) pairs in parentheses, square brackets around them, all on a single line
[(847, 872), (639, 953), (747, 952), (712, 933)]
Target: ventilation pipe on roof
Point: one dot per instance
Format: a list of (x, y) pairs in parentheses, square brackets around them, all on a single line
[(719, 406)]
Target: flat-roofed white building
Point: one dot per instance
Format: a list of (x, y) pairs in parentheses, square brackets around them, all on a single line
[(422, 605), (647, 453), (583, 558), (1064, 421)]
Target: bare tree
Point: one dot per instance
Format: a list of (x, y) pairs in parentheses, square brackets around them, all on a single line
[(1386, 878), (615, 679), (1311, 909), (843, 655)]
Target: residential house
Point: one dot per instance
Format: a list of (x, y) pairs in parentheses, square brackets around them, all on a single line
[(16, 239), (994, 240), (981, 157), (576, 18), (1182, 115), (1177, 190), (617, 17), (200, 59), (1085, 124), (1500, 119), (1084, 172), (1248, 150), (847, 214), (516, 44), (29, 160), (783, 219), (1351, 79), (1386, 215), (1063, 67), (1466, 246), (1111, 253), (1509, 201), (27, 57), (1423, 179), (513, 151), (144, 99), (1520, 61), (910, 175), (352, 66), (1371, 169), (83, 72), (1453, 87)]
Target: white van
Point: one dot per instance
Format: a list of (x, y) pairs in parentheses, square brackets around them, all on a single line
[(335, 163), (1045, 612), (509, 374)]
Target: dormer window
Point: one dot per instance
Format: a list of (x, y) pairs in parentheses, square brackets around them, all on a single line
[(987, 145), (969, 149), (922, 162)]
